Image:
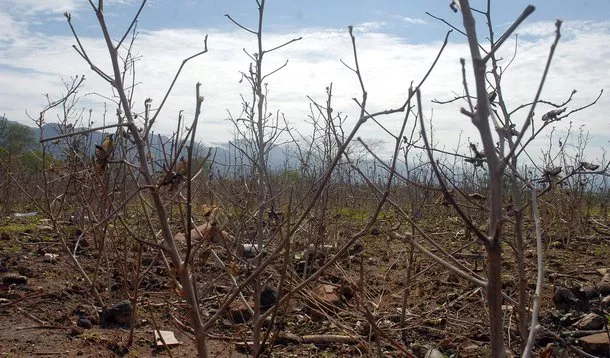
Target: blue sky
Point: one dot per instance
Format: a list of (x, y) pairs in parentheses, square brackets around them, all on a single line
[(397, 41), (293, 14)]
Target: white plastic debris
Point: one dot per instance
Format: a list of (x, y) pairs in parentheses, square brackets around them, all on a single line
[(48, 257), (168, 337)]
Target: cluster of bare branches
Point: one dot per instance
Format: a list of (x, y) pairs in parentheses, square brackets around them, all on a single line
[(139, 194)]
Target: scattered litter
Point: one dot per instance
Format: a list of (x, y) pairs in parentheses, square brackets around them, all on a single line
[(248, 251), (24, 215), (434, 353), (48, 257), (168, 338)]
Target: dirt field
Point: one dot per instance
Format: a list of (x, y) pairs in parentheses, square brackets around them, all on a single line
[(45, 304)]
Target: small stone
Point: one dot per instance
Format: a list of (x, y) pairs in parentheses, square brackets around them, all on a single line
[(75, 331), (328, 293), (606, 301), (118, 314), (84, 322), (239, 312), (268, 298), (604, 285), (591, 321), (595, 343), (226, 323), (470, 348), (588, 291), (450, 277), (364, 328), (564, 299), (88, 311)]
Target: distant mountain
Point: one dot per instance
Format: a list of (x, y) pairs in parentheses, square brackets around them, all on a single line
[(227, 159)]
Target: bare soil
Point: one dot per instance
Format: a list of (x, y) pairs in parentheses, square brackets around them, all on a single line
[(39, 317)]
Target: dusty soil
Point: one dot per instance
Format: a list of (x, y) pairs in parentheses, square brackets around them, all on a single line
[(39, 317)]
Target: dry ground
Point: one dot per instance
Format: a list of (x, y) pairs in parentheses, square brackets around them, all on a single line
[(39, 318)]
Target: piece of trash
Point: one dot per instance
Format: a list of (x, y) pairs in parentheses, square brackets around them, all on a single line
[(23, 215), (48, 257), (168, 338), (434, 353), (248, 251)]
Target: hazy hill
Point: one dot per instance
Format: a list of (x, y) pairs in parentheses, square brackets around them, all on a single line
[(227, 159)]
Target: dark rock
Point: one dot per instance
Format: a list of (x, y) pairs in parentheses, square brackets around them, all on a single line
[(118, 314), (606, 301), (604, 284), (355, 249), (564, 299), (588, 291), (14, 278), (268, 298), (84, 322), (239, 312), (88, 311), (347, 292)]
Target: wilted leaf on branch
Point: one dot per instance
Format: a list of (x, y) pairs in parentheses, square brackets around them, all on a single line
[(454, 5), (589, 166), (477, 153), (552, 115), (475, 161), (477, 196), (551, 172), (102, 153)]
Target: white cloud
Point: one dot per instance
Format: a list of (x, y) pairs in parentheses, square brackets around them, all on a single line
[(568, 30), (9, 28), (34, 64), (31, 7), (371, 26), (413, 21)]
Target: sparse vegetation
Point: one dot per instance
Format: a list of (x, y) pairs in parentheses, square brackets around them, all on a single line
[(340, 252)]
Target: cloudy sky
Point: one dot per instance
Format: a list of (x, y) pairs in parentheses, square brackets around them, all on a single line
[(397, 41)]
